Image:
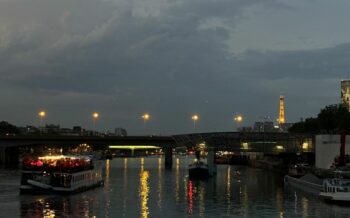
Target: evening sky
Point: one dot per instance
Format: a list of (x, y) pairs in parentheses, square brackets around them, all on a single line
[(170, 58)]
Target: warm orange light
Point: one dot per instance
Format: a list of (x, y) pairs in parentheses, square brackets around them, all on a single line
[(95, 115), (195, 117), (146, 116), (238, 118), (42, 114)]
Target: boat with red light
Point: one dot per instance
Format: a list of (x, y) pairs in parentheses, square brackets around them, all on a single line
[(60, 174)]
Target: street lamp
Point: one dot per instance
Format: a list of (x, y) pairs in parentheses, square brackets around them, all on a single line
[(145, 117), (195, 118), (42, 115), (95, 116), (238, 119)]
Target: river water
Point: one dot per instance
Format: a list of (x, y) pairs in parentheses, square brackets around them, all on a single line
[(141, 187)]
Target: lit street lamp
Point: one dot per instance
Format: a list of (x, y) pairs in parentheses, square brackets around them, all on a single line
[(95, 116), (145, 118), (238, 119), (195, 118), (42, 115)]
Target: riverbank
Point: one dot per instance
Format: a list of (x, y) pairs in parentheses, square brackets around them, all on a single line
[(280, 163), (273, 164)]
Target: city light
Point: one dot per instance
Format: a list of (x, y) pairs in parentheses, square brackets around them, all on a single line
[(305, 146), (238, 118), (95, 115), (145, 117), (42, 114), (195, 117)]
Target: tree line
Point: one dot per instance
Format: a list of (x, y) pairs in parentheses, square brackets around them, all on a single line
[(333, 119)]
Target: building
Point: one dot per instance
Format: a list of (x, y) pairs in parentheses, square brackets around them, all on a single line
[(78, 129), (285, 127), (327, 150), (266, 126), (345, 93)]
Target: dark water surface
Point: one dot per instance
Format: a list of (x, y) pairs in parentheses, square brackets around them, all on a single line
[(141, 187)]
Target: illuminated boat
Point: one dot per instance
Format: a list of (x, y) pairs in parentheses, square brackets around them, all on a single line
[(60, 174)]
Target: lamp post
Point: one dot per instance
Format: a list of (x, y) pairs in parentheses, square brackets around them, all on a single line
[(238, 119), (145, 118), (195, 117), (42, 115), (95, 116)]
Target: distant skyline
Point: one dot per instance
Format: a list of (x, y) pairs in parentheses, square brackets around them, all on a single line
[(171, 59)]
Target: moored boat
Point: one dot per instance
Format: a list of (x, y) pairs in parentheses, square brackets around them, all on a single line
[(198, 170), (336, 189), (298, 170), (60, 174), (308, 183)]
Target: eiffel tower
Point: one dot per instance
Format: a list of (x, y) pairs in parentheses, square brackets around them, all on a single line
[(281, 119)]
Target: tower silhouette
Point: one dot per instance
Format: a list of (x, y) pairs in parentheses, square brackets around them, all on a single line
[(281, 119)]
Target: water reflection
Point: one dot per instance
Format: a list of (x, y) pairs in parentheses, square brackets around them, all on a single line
[(144, 189), (190, 197), (159, 187), (228, 184), (125, 185), (107, 187), (107, 169), (177, 181), (201, 200), (305, 206), (56, 206)]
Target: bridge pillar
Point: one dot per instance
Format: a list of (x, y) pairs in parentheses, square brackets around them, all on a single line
[(211, 161), (2, 155), (168, 157), (9, 155)]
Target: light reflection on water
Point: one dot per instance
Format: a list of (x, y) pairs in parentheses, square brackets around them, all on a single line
[(144, 191), (142, 187)]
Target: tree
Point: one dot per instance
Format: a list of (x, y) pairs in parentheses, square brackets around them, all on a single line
[(332, 119), (7, 128)]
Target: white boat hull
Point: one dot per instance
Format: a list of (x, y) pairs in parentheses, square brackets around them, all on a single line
[(336, 197), (303, 185)]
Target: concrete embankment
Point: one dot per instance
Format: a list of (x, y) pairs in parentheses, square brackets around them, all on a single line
[(281, 162), (275, 165)]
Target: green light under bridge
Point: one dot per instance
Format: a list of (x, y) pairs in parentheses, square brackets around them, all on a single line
[(133, 147)]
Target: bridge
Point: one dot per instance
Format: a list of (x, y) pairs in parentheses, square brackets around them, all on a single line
[(266, 142), (33, 140), (263, 142), (10, 146)]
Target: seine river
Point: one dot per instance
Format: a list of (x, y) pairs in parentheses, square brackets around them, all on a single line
[(141, 187)]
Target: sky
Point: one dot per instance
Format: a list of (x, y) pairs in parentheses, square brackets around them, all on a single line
[(171, 59)]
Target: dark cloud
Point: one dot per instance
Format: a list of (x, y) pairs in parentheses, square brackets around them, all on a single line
[(124, 58), (328, 63)]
